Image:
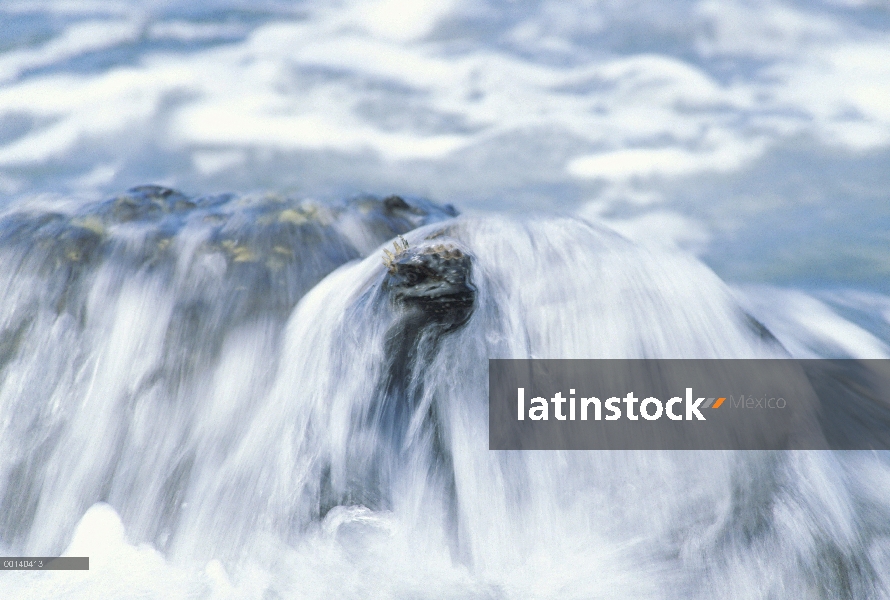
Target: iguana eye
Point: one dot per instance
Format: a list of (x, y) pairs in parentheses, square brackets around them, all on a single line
[(414, 276)]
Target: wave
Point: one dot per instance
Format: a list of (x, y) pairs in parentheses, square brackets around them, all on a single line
[(352, 430)]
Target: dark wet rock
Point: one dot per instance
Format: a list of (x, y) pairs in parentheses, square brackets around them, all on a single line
[(261, 252), (281, 244), (145, 202)]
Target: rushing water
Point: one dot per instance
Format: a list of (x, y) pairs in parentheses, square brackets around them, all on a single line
[(219, 397), (162, 375)]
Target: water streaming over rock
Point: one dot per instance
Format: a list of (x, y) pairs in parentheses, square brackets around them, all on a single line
[(277, 415), (127, 326)]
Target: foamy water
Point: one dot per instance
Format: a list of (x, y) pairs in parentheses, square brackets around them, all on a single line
[(238, 461), (187, 408)]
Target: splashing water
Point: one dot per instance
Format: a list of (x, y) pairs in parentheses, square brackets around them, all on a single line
[(189, 401)]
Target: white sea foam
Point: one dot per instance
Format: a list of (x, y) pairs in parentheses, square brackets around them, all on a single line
[(190, 32), (646, 114), (80, 38), (808, 327), (394, 19), (664, 229)]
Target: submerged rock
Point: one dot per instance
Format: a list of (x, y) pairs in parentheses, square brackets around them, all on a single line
[(160, 285), (272, 248), (174, 382)]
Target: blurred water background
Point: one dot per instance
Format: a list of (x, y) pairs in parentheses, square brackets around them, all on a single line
[(754, 134)]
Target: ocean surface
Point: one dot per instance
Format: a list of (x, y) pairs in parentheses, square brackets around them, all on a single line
[(171, 405)]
